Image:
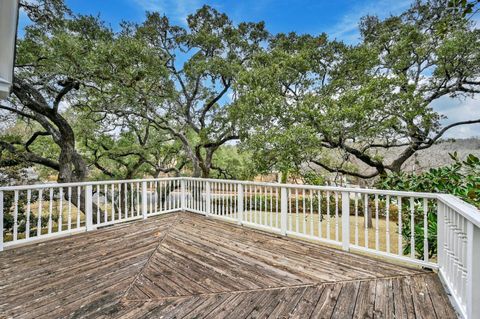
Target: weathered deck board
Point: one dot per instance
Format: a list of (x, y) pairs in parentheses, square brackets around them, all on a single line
[(187, 266)]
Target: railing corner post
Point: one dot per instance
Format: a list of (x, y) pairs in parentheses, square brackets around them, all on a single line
[(182, 194), (1, 221), (346, 221), (473, 273), (144, 200), (283, 210), (88, 207), (240, 204), (208, 199)]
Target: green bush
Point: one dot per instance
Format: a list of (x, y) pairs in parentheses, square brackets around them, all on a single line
[(462, 179)]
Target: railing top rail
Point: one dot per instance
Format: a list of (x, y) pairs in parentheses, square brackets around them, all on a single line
[(50, 185), (328, 188), (467, 210)]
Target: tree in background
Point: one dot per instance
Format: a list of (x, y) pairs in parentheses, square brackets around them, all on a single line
[(48, 77), (202, 63), (362, 101)]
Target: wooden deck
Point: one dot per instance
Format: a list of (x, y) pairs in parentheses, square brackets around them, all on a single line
[(187, 266)]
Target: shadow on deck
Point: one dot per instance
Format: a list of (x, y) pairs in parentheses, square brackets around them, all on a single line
[(187, 266)]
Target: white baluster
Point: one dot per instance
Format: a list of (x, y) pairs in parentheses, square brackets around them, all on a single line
[(365, 217), (69, 221), (60, 214), (88, 208), (387, 208), (412, 227), (400, 236), (50, 210), (328, 215), (144, 200), (297, 216), (283, 211), (377, 231), (98, 204), (425, 230), (356, 219), (304, 213), (240, 203), (336, 218), (346, 221), (27, 222), (319, 194), (39, 212), (15, 215), (112, 201)]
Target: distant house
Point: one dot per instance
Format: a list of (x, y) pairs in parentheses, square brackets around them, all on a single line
[(8, 31)]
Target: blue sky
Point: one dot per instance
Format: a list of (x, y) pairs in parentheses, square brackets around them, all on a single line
[(338, 18)]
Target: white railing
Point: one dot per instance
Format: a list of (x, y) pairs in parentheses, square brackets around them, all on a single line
[(389, 224)]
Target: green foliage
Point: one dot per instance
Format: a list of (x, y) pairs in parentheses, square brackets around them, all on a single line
[(462, 179), (230, 163), (309, 98), (419, 237)]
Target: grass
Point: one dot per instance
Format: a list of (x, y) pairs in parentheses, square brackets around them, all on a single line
[(309, 225)]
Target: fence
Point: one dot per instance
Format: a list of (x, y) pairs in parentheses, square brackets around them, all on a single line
[(438, 231)]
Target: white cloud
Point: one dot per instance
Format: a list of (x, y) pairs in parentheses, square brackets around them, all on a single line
[(347, 28), (177, 10), (459, 110)]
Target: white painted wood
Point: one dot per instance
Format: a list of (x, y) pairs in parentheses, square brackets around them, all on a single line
[(208, 203), (346, 221), (473, 271), (283, 210), (400, 237), (240, 204), (182, 194), (8, 31), (356, 218), (60, 214), (337, 234), (27, 223), (50, 210), (40, 211), (88, 208), (144, 200), (412, 228), (377, 230), (387, 222), (15, 216)]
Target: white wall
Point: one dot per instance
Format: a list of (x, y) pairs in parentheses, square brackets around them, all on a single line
[(8, 30)]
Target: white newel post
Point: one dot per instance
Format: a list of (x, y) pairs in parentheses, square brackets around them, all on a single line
[(208, 204), (182, 194), (1, 221), (346, 221), (88, 208), (283, 210), (144, 200), (473, 271), (240, 204)]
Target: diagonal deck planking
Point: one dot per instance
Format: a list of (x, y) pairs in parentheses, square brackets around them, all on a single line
[(187, 266)]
